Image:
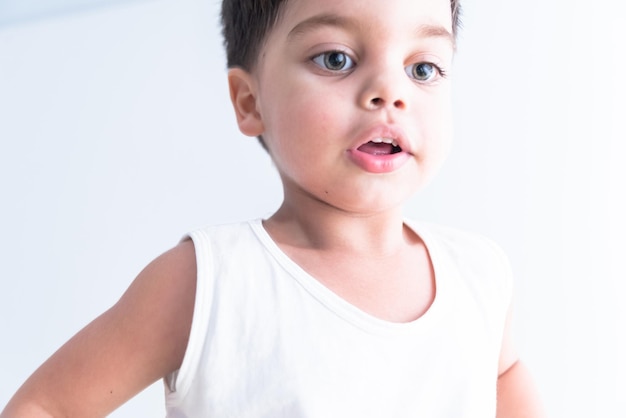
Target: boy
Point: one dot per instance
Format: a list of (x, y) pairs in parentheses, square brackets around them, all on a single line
[(335, 305)]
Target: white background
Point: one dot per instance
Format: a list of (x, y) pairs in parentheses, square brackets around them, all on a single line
[(116, 137)]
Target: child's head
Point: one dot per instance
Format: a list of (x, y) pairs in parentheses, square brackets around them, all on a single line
[(351, 97), (245, 24)]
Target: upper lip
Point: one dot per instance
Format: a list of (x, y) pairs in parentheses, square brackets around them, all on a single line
[(384, 133)]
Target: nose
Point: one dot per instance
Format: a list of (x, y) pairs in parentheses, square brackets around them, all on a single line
[(385, 88)]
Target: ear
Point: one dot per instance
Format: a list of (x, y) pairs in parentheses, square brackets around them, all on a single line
[(243, 95)]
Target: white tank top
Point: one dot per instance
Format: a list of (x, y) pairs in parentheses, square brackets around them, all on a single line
[(269, 340)]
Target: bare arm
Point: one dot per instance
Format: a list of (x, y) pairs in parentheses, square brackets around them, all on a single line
[(139, 340), (517, 396)]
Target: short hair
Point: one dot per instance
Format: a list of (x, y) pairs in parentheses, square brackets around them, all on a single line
[(245, 24)]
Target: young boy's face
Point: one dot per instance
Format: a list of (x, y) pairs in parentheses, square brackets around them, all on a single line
[(336, 80)]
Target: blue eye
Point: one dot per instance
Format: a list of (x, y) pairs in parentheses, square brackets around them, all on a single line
[(423, 71), (334, 61)]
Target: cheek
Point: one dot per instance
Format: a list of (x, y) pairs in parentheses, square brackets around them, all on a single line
[(305, 118), (445, 128), (298, 129), (438, 131)]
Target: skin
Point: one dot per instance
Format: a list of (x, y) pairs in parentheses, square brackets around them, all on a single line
[(138, 341), (341, 218)]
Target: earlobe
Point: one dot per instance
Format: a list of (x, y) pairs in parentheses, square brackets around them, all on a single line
[(244, 99)]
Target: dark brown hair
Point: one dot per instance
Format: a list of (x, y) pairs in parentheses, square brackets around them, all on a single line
[(245, 24)]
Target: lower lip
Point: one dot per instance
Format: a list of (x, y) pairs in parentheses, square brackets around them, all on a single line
[(384, 163)]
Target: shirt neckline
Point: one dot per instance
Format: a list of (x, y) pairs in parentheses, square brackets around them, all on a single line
[(352, 313)]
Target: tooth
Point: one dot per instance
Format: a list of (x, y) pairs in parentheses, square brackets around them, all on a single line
[(387, 140), (377, 140), (394, 143)]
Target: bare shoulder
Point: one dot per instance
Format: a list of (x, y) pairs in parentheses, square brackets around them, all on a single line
[(160, 303), (139, 340), (164, 289)]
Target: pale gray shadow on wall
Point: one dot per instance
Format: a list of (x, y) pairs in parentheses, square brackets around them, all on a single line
[(26, 11)]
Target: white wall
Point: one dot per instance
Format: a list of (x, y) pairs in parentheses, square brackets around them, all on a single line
[(116, 137)]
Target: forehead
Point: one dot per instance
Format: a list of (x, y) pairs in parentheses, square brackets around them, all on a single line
[(373, 16)]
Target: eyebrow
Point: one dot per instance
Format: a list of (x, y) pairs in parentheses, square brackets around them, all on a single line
[(424, 30), (321, 20), (436, 31)]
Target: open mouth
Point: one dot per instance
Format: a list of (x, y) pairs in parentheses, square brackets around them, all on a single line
[(380, 146)]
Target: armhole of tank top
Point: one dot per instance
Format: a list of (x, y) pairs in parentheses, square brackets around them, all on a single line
[(507, 275), (506, 283), (179, 382)]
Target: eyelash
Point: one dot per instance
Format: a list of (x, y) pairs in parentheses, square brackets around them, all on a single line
[(321, 60)]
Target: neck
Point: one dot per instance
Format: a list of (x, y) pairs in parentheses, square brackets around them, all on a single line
[(316, 225)]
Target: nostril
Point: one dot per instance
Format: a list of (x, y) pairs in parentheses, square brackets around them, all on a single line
[(377, 102), (399, 104)]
